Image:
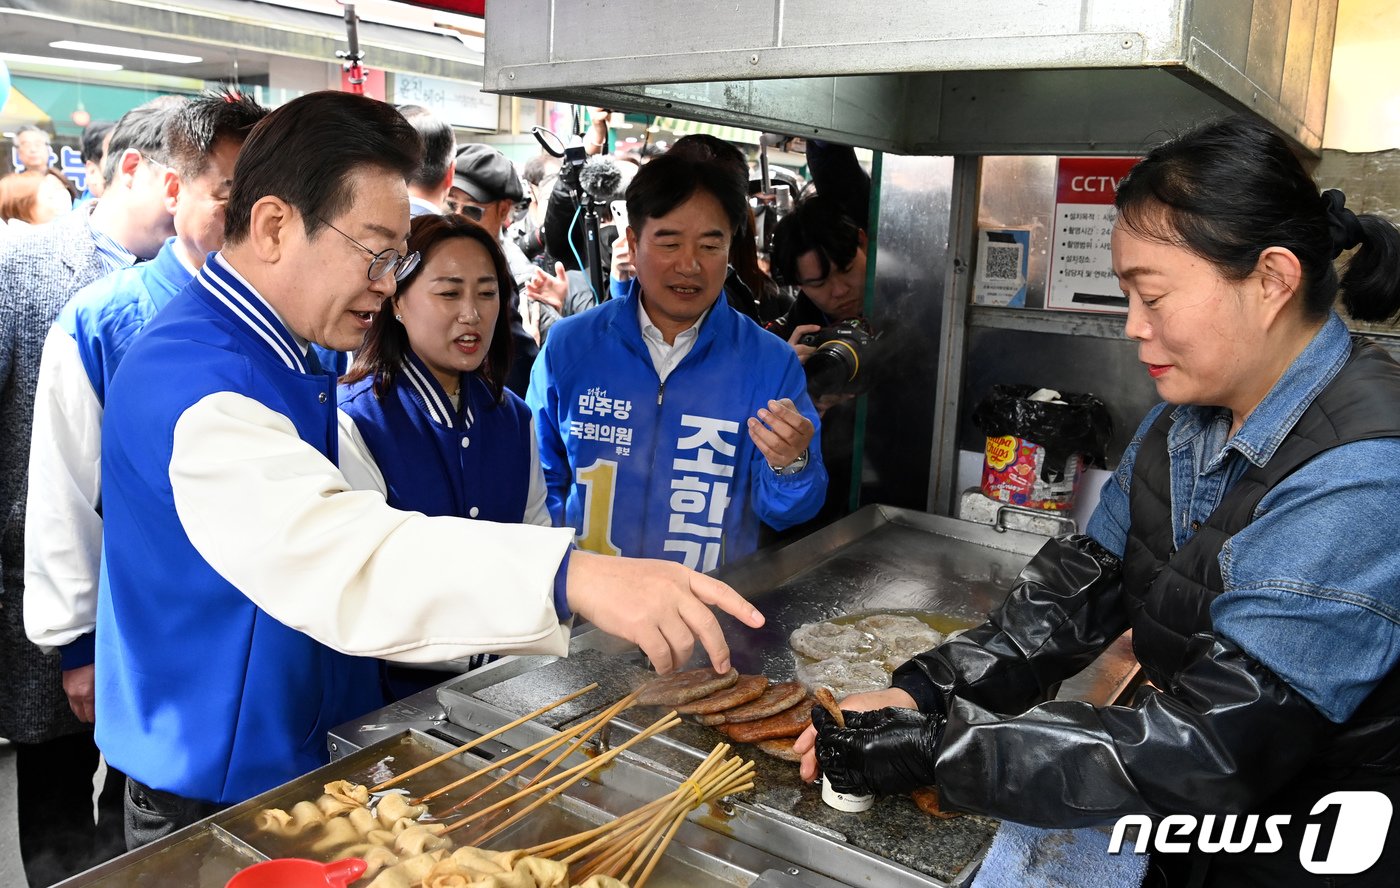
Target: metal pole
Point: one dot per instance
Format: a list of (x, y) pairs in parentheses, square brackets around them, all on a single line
[(957, 293), (352, 57)]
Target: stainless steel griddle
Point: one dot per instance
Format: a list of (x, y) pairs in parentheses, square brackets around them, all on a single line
[(777, 836), (878, 559)]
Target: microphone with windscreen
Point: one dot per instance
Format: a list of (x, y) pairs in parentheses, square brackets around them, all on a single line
[(602, 179)]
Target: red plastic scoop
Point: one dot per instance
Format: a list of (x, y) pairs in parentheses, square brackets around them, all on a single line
[(293, 872)]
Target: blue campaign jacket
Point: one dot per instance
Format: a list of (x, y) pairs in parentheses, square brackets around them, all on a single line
[(469, 463), (642, 469), (204, 694), (104, 316)]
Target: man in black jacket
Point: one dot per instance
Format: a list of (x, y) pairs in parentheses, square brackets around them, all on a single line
[(821, 251)]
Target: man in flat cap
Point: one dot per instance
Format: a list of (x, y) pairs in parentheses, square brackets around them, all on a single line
[(486, 187)]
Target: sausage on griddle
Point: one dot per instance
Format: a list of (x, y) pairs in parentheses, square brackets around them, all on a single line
[(685, 687), (788, 723), (779, 749), (777, 698), (827, 699), (927, 800), (747, 689)]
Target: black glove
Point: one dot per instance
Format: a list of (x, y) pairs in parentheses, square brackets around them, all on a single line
[(883, 751)]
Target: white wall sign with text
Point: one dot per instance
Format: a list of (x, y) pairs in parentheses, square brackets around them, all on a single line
[(459, 103), (1081, 261)]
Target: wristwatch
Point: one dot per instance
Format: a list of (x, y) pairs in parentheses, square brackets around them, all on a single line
[(793, 467)]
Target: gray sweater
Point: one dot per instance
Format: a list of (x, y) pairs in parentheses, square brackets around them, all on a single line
[(40, 269)]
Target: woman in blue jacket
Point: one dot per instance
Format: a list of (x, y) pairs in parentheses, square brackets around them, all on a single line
[(425, 405), (427, 395), (1247, 539)]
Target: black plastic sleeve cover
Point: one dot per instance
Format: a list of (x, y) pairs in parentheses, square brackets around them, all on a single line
[(1065, 608), (1225, 736)]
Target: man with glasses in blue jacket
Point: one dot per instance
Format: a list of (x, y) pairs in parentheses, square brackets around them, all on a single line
[(250, 574)]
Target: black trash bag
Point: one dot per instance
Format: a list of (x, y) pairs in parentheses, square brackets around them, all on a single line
[(1080, 425)]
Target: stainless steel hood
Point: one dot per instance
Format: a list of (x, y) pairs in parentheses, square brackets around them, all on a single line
[(929, 76)]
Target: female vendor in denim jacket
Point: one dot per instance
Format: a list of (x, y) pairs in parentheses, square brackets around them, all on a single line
[(1248, 539), (426, 397)]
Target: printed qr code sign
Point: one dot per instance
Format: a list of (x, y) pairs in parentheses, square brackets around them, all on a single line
[(1003, 262)]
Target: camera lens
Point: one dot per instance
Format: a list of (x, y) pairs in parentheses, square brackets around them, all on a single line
[(831, 366)]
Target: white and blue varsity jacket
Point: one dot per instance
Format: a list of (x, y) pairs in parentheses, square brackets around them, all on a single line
[(476, 460), (245, 584)]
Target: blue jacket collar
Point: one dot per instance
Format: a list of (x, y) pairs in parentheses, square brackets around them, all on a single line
[(239, 302), (1263, 432), (429, 393), (168, 266), (717, 325)]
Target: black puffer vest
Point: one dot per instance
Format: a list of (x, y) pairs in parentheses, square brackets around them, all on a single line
[(1170, 591)]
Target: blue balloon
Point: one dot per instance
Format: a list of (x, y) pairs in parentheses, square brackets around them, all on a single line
[(4, 84)]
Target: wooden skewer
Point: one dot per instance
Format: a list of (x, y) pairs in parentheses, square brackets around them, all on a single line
[(635, 849), (635, 842), (601, 724), (655, 856), (654, 838), (548, 743), (718, 786), (681, 797), (393, 781), (588, 729), (568, 778), (548, 849), (565, 779), (610, 859), (610, 853), (649, 847)]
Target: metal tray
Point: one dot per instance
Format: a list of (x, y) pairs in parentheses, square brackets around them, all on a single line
[(209, 853)]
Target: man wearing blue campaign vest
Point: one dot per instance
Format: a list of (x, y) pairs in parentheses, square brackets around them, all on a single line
[(245, 581)]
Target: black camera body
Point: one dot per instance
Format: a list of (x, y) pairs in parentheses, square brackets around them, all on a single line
[(843, 361)]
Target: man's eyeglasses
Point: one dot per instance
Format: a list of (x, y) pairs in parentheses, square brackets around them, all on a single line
[(383, 262)]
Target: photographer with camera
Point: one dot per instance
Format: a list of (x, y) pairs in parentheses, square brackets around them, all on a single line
[(821, 251)]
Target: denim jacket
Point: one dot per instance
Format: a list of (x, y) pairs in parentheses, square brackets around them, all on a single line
[(1312, 585)]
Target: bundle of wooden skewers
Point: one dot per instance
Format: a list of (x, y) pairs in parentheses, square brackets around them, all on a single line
[(629, 847), (406, 846)]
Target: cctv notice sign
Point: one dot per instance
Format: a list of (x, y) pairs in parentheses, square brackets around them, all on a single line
[(1081, 262)]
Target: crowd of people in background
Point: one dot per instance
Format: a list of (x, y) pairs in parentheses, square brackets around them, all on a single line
[(407, 326)]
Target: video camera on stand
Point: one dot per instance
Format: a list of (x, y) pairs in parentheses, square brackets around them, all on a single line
[(592, 182)]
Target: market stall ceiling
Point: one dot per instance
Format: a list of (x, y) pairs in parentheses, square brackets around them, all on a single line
[(943, 77), (33, 36), (240, 39)]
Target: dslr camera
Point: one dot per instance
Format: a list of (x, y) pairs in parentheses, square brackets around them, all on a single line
[(843, 361)]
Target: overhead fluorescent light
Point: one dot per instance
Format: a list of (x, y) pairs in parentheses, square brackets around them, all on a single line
[(55, 62), (122, 51)]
